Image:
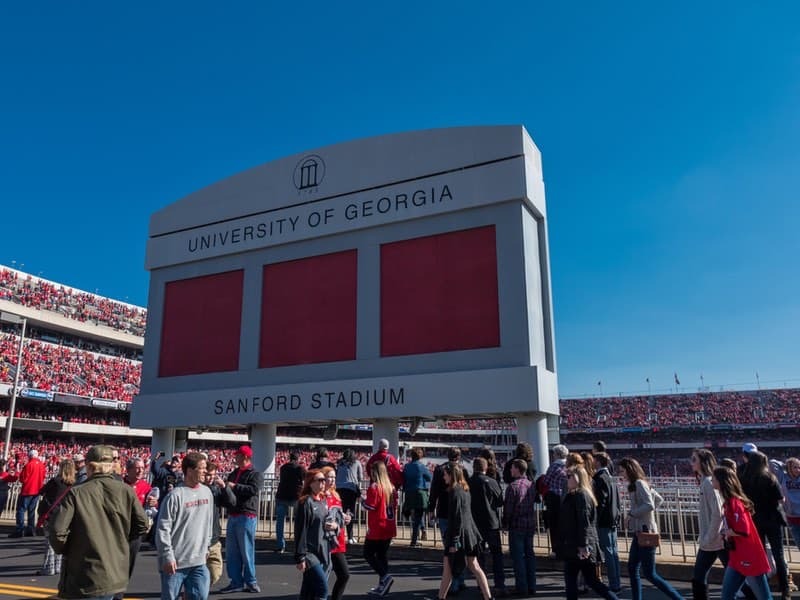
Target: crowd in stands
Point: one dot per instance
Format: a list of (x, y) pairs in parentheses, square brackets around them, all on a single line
[(72, 341), (683, 410), (82, 306), (47, 366), (67, 414)]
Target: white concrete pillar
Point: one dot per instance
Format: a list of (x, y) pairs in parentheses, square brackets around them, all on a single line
[(263, 439), (533, 429), (386, 428), (163, 441)]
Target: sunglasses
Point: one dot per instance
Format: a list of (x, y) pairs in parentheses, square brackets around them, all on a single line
[(318, 479)]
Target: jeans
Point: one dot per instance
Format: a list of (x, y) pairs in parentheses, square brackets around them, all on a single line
[(315, 583), (520, 545), (774, 535), (588, 569), (645, 558), (417, 524), (195, 580), (458, 582), (281, 510), (26, 504), (240, 550), (702, 565), (495, 545), (733, 580), (608, 545)]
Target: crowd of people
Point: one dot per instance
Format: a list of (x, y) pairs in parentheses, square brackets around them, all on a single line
[(758, 407), (85, 307), (742, 508), (51, 367)]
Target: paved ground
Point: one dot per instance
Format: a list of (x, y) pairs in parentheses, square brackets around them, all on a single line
[(414, 579)]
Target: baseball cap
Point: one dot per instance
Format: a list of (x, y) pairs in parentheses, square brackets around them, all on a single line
[(78, 457), (100, 454), (246, 451), (383, 444), (748, 448)]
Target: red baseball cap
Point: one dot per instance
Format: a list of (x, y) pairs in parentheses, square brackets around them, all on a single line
[(246, 451)]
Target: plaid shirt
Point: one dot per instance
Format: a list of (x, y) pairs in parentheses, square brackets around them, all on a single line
[(556, 477), (518, 511)]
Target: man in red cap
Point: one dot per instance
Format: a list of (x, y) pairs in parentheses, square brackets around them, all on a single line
[(241, 495)]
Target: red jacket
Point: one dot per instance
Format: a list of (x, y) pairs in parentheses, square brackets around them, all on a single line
[(381, 516), (748, 556), (32, 478), (392, 466)]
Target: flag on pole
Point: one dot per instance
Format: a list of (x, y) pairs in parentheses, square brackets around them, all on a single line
[(599, 383), (677, 381), (647, 380)]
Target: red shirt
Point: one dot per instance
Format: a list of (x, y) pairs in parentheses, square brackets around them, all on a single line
[(748, 556), (381, 516), (141, 488), (32, 478), (336, 501), (392, 466)]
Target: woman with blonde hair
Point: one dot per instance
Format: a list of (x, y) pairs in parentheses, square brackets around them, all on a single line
[(52, 493), (462, 542), (580, 549), (337, 537), (642, 517), (381, 506)]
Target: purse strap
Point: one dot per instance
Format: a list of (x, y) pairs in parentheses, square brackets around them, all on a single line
[(43, 518)]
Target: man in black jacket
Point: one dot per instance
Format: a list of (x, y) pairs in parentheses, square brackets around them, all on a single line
[(608, 513), (437, 506), (242, 490), (486, 500), (290, 484)]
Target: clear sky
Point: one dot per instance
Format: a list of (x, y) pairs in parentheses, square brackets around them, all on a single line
[(669, 136)]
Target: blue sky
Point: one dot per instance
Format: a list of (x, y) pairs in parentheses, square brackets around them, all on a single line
[(668, 134)]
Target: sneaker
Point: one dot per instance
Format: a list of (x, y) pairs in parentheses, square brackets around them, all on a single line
[(252, 588), (280, 550), (386, 585), (231, 589), (352, 541)]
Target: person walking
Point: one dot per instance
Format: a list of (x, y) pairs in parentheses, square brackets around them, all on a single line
[(788, 475), (416, 481), (642, 517), (312, 554), (580, 548), (214, 560), (184, 533), (337, 540), (393, 467), (462, 544), (520, 521), (709, 523), (762, 488), (606, 494), (32, 479), (241, 491), (381, 506), (747, 560), (486, 500), (290, 484), (52, 494), (437, 506), (91, 529), (349, 475), (555, 484)]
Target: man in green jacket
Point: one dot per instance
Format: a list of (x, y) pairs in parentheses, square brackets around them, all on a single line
[(92, 528)]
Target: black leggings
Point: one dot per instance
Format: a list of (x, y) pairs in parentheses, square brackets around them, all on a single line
[(375, 554), (349, 499), (340, 568)]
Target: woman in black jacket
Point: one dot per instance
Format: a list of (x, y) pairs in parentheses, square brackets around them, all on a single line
[(462, 542), (579, 548), (312, 554), (763, 489)]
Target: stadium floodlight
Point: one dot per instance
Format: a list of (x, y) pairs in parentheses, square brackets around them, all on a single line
[(13, 319)]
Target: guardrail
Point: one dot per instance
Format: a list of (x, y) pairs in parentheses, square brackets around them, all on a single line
[(677, 520)]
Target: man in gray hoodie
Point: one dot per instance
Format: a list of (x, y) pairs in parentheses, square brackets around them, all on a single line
[(184, 532)]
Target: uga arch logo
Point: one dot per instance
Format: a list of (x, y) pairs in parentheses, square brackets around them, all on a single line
[(309, 172)]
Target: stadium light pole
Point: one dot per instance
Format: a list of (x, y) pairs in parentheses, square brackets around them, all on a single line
[(6, 317)]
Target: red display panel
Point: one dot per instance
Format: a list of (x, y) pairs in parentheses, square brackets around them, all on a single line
[(308, 310), (439, 293), (202, 324)]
